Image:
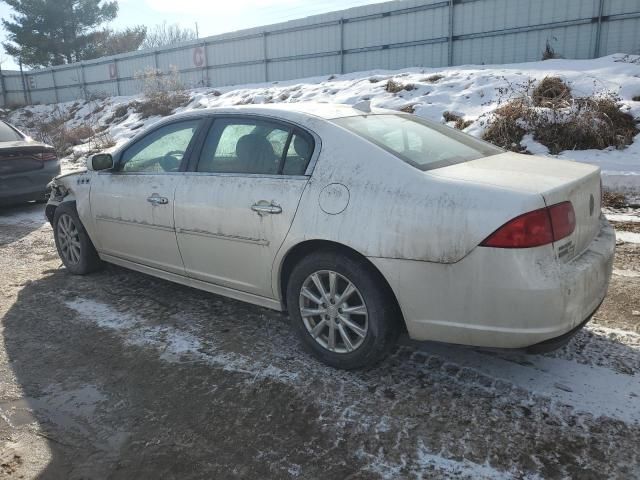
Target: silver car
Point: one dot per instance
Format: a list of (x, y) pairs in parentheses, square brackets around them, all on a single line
[(26, 166), (359, 222)]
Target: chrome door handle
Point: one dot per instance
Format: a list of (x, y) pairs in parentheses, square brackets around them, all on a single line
[(156, 199), (262, 207)]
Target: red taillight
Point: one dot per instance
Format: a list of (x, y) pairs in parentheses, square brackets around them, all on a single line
[(534, 229), (47, 156), (563, 220)]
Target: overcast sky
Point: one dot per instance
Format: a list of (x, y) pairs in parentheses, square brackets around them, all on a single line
[(212, 16)]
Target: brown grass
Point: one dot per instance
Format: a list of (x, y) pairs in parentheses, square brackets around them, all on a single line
[(163, 93), (559, 121), (394, 86), (613, 199), (121, 111), (594, 123), (433, 78), (460, 122), (551, 92)]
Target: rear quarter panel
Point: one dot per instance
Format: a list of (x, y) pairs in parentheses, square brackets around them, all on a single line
[(395, 210)]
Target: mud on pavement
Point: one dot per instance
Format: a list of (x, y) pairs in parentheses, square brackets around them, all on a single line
[(120, 375)]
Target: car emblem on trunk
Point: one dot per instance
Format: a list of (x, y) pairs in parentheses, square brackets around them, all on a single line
[(592, 205)]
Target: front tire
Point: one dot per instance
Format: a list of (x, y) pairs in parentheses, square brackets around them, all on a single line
[(341, 310), (72, 241)]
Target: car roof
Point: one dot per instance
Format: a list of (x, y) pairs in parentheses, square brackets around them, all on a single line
[(294, 111)]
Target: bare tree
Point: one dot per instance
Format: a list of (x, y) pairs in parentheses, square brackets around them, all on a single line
[(167, 34)]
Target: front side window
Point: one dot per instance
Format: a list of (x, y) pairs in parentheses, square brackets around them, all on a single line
[(254, 146), (423, 144), (162, 150)]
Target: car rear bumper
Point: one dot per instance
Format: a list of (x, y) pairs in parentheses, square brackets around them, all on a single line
[(502, 298), (22, 187)]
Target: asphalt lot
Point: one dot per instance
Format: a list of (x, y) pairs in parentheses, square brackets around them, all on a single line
[(120, 375)]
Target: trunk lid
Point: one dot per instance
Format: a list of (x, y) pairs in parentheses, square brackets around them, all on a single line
[(555, 180), (21, 156)]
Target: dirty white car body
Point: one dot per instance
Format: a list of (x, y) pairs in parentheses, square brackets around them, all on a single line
[(235, 234)]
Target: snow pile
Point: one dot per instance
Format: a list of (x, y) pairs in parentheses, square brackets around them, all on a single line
[(469, 93)]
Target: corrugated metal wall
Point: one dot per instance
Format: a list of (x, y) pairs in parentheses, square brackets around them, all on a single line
[(392, 35)]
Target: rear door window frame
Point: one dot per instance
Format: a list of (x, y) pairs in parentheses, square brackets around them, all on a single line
[(293, 128)]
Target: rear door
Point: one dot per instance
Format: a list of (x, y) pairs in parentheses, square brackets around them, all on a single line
[(234, 210), (133, 206)]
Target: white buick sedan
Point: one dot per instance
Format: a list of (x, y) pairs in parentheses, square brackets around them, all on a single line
[(359, 222)]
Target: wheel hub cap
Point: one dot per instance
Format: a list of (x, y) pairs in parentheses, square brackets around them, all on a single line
[(333, 311)]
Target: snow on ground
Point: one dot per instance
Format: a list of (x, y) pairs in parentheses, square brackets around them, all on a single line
[(621, 217), (588, 388), (627, 237), (471, 91), (24, 215)]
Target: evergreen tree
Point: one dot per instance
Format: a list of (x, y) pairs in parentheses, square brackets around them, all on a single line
[(108, 42), (52, 32)]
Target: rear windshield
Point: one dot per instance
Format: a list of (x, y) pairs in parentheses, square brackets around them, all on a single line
[(421, 143), (8, 134)]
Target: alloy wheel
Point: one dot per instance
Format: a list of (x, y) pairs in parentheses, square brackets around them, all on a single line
[(333, 311), (69, 239)]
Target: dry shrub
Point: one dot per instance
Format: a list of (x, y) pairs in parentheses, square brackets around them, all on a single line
[(53, 131), (552, 92), (636, 98), (450, 116), (409, 108), (460, 122), (56, 132), (559, 121), (613, 199), (79, 135), (102, 140), (121, 111), (549, 52), (394, 86), (506, 130), (163, 93), (433, 78), (591, 123)]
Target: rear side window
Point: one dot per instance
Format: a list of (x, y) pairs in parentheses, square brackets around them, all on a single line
[(423, 144), (8, 134), (255, 146)]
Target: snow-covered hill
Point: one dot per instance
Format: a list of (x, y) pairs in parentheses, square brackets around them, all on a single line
[(471, 92)]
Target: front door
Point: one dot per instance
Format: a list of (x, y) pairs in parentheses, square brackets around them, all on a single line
[(233, 213), (133, 206)]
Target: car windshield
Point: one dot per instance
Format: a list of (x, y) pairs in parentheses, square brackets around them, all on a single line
[(421, 143), (8, 134)]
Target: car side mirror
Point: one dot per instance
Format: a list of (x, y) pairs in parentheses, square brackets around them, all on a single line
[(100, 161)]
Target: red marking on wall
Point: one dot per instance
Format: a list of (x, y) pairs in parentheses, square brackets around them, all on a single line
[(198, 56)]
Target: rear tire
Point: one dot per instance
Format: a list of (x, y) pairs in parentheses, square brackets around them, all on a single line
[(358, 308), (72, 241)]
